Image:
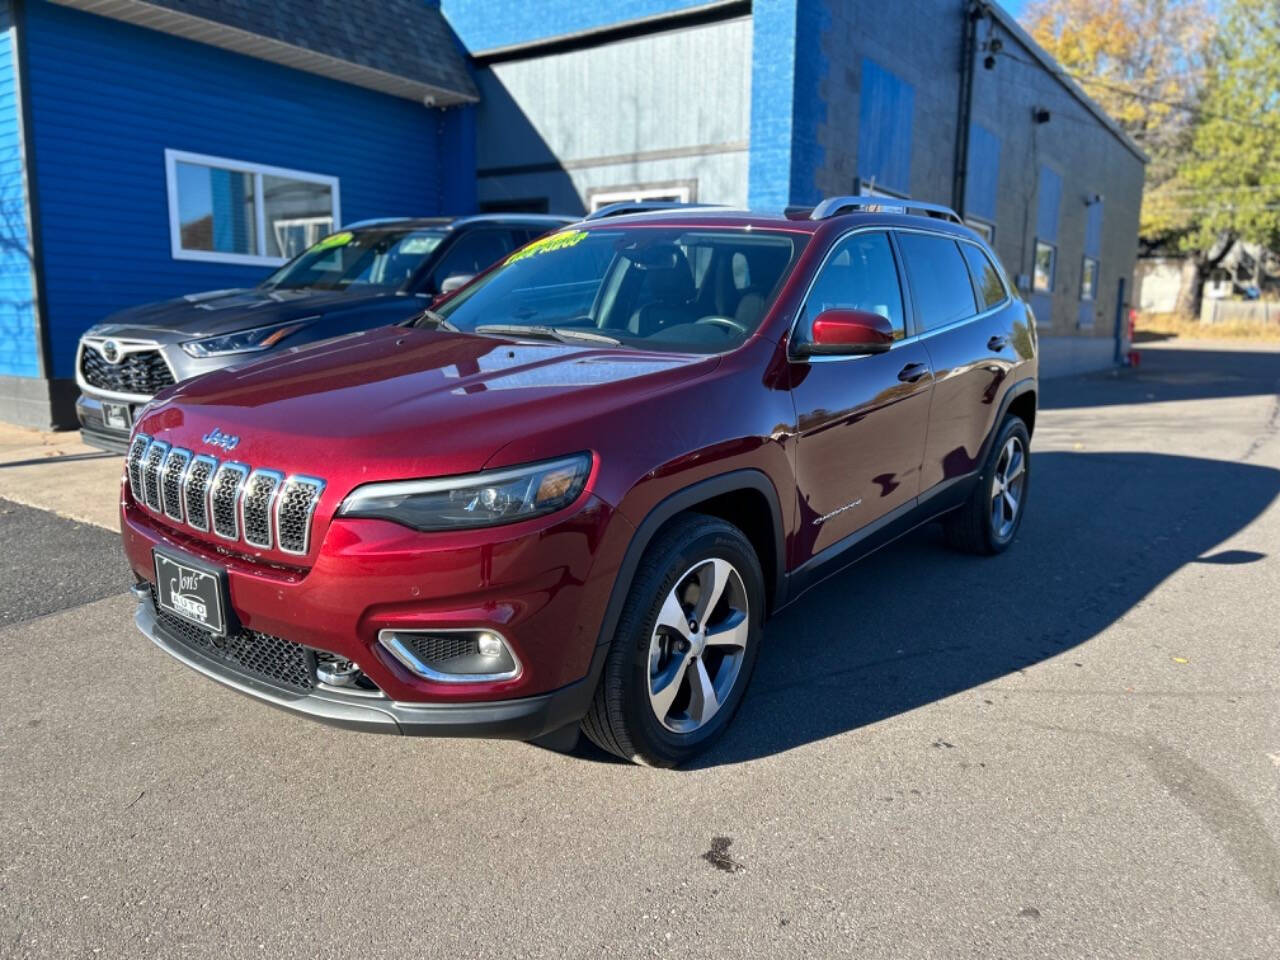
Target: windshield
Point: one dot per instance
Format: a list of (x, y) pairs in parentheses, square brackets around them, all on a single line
[(372, 258), (686, 290)]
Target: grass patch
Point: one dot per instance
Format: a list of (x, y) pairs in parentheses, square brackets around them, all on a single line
[(1172, 326)]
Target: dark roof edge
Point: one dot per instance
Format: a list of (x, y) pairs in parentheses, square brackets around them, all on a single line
[(710, 12), (209, 32)]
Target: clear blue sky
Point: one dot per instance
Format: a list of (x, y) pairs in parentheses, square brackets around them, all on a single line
[(1013, 6)]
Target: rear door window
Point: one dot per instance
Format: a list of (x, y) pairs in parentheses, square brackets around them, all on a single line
[(986, 278), (939, 278)]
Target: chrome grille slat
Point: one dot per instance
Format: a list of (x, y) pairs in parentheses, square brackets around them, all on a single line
[(224, 499), (156, 453), (295, 506), (255, 506), (175, 468), (137, 451), (261, 507), (195, 491)]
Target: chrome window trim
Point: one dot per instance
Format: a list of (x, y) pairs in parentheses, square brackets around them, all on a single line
[(186, 489), (126, 346), (269, 511), (164, 484), (231, 466), (136, 489), (916, 337), (146, 486), (307, 520), (415, 666)]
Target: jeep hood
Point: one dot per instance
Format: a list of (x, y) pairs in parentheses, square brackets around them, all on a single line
[(226, 311), (398, 402)]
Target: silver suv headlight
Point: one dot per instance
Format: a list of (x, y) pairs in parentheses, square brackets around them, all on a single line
[(484, 499), (245, 341)]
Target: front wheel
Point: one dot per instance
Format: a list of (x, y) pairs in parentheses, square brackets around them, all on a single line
[(685, 645), (990, 518)]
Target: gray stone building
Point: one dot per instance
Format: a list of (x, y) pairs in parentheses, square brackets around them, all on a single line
[(782, 102)]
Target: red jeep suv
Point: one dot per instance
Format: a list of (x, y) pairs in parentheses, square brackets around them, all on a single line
[(571, 494)]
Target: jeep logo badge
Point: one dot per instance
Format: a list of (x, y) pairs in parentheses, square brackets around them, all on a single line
[(217, 438), (111, 351)]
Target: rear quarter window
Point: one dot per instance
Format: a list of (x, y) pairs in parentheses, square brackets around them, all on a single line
[(939, 279), (986, 278)]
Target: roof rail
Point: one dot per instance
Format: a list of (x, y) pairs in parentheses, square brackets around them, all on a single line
[(832, 206), (374, 222), (640, 206)]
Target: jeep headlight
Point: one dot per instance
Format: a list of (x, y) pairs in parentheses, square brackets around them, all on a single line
[(485, 499), (245, 341)]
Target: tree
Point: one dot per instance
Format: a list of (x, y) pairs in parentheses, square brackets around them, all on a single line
[(1142, 61), (1227, 186)]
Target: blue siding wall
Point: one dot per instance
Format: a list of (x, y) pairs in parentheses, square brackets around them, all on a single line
[(1048, 204), (19, 350), (1092, 248), (982, 179), (108, 99), (486, 24), (787, 109), (887, 108)]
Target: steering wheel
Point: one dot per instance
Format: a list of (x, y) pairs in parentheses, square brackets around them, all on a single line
[(732, 326)]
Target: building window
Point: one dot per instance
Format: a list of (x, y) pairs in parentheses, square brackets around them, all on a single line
[(1089, 279), (228, 211), (1045, 265), (983, 228), (677, 193)]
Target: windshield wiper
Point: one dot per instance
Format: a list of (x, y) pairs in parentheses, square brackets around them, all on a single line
[(560, 334), (437, 321)]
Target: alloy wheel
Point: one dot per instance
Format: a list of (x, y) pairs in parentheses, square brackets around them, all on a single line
[(1006, 487), (698, 645)]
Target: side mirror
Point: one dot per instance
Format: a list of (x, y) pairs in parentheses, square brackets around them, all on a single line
[(847, 333), (455, 281)]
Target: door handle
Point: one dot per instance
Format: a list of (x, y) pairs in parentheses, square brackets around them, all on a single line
[(997, 343), (913, 372)]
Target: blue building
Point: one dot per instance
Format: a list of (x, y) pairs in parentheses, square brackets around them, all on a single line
[(151, 148)]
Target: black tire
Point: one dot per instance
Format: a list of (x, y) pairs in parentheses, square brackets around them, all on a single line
[(972, 527), (621, 719)]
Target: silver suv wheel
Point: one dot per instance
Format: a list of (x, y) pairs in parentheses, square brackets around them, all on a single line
[(698, 645)]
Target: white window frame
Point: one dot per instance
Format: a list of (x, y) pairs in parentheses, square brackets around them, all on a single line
[(683, 193), (258, 170), (1097, 267), (982, 227), (1053, 266)]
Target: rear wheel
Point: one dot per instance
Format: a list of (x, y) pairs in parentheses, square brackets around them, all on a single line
[(990, 519), (685, 645)]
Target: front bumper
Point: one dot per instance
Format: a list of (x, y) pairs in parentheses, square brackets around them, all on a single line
[(527, 718), (95, 432)]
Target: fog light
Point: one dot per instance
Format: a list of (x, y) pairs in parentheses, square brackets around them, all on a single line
[(453, 656)]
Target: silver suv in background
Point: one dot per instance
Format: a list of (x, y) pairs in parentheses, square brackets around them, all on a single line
[(366, 275)]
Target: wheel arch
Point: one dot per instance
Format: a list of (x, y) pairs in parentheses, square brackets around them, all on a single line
[(745, 498)]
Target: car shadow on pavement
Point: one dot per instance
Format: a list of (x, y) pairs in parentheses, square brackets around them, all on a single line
[(918, 622), (1170, 374)]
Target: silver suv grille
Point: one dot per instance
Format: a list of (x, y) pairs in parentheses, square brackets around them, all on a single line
[(264, 508)]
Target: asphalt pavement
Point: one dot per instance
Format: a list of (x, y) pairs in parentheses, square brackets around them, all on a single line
[(1071, 750)]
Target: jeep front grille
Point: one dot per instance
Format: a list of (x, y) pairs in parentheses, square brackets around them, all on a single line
[(261, 507)]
